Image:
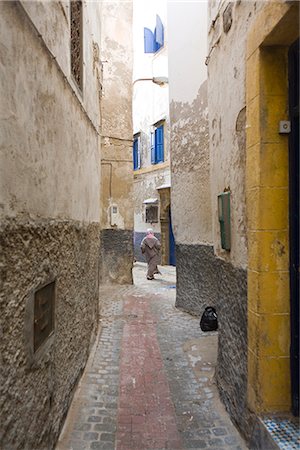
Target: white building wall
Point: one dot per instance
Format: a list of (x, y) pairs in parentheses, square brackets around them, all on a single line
[(150, 105), (187, 44)]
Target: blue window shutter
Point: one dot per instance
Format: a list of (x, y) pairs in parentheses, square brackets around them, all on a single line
[(138, 153), (159, 33), (153, 152), (159, 141), (149, 42), (135, 154)]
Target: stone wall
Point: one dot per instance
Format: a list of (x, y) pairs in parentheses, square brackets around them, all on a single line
[(197, 278), (232, 370), (35, 392), (190, 167), (205, 280), (50, 208), (116, 256), (116, 149)]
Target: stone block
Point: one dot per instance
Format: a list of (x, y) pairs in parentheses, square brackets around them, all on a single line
[(253, 122), (268, 292), (268, 250), (116, 256), (253, 76), (269, 208)]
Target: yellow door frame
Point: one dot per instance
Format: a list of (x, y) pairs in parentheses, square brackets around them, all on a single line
[(274, 30)]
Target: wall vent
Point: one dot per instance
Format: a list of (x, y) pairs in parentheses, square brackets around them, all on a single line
[(44, 303)]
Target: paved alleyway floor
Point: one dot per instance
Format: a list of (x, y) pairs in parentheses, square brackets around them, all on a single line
[(149, 381)]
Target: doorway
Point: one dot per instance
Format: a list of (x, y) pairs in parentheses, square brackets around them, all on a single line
[(294, 219), (172, 249)]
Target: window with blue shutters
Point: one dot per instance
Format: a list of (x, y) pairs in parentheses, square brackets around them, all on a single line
[(149, 41), (159, 34), (153, 41), (136, 153), (157, 145)]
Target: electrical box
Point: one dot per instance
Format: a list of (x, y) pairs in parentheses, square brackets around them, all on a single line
[(284, 127), (224, 219), (114, 215)]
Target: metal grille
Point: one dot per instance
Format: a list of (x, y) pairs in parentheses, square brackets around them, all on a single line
[(43, 314), (151, 214), (76, 41)]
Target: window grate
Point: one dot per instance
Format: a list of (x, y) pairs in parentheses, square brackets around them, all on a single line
[(44, 300), (76, 41), (151, 214)]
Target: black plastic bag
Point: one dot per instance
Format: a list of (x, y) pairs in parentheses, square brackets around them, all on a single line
[(209, 319)]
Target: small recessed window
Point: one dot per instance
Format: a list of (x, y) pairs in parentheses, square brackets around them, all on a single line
[(153, 41), (76, 42), (157, 144), (44, 301), (152, 214)]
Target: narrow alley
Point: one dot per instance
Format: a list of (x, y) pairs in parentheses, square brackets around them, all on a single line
[(137, 134), (149, 382)]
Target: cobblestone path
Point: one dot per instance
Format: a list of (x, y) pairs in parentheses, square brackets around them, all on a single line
[(149, 381)]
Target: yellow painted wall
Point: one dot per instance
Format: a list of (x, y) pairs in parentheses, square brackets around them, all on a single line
[(267, 208)]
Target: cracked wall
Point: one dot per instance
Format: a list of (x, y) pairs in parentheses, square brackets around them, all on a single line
[(190, 164), (50, 180), (116, 137)]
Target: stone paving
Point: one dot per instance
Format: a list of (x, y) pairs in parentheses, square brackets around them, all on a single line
[(149, 382)]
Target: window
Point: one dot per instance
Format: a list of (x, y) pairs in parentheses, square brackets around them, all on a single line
[(152, 214), (136, 152), (43, 314), (76, 42), (153, 41), (157, 145)]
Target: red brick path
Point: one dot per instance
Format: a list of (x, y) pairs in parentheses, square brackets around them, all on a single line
[(146, 415)]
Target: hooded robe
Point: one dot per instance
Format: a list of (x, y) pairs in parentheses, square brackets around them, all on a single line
[(150, 247)]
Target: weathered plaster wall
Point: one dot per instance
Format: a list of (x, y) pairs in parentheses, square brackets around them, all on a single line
[(44, 170), (56, 38), (50, 181), (190, 165), (190, 194), (35, 396), (228, 26), (272, 359), (116, 56), (227, 121), (145, 187), (116, 137), (190, 170)]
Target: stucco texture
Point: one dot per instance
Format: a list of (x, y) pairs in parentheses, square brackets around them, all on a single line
[(35, 395), (190, 166), (205, 280), (116, 259), (227, 121), (49, 211), (43, 168)]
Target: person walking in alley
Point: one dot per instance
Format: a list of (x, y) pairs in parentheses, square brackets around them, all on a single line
[(150, 247)]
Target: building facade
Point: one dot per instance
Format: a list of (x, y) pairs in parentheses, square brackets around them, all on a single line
[(190, 165), (51, 203), (249, 151), (151, 142), (235, 196), (116, 143)]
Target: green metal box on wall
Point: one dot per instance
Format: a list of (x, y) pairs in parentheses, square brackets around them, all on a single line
[(224, 219)]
